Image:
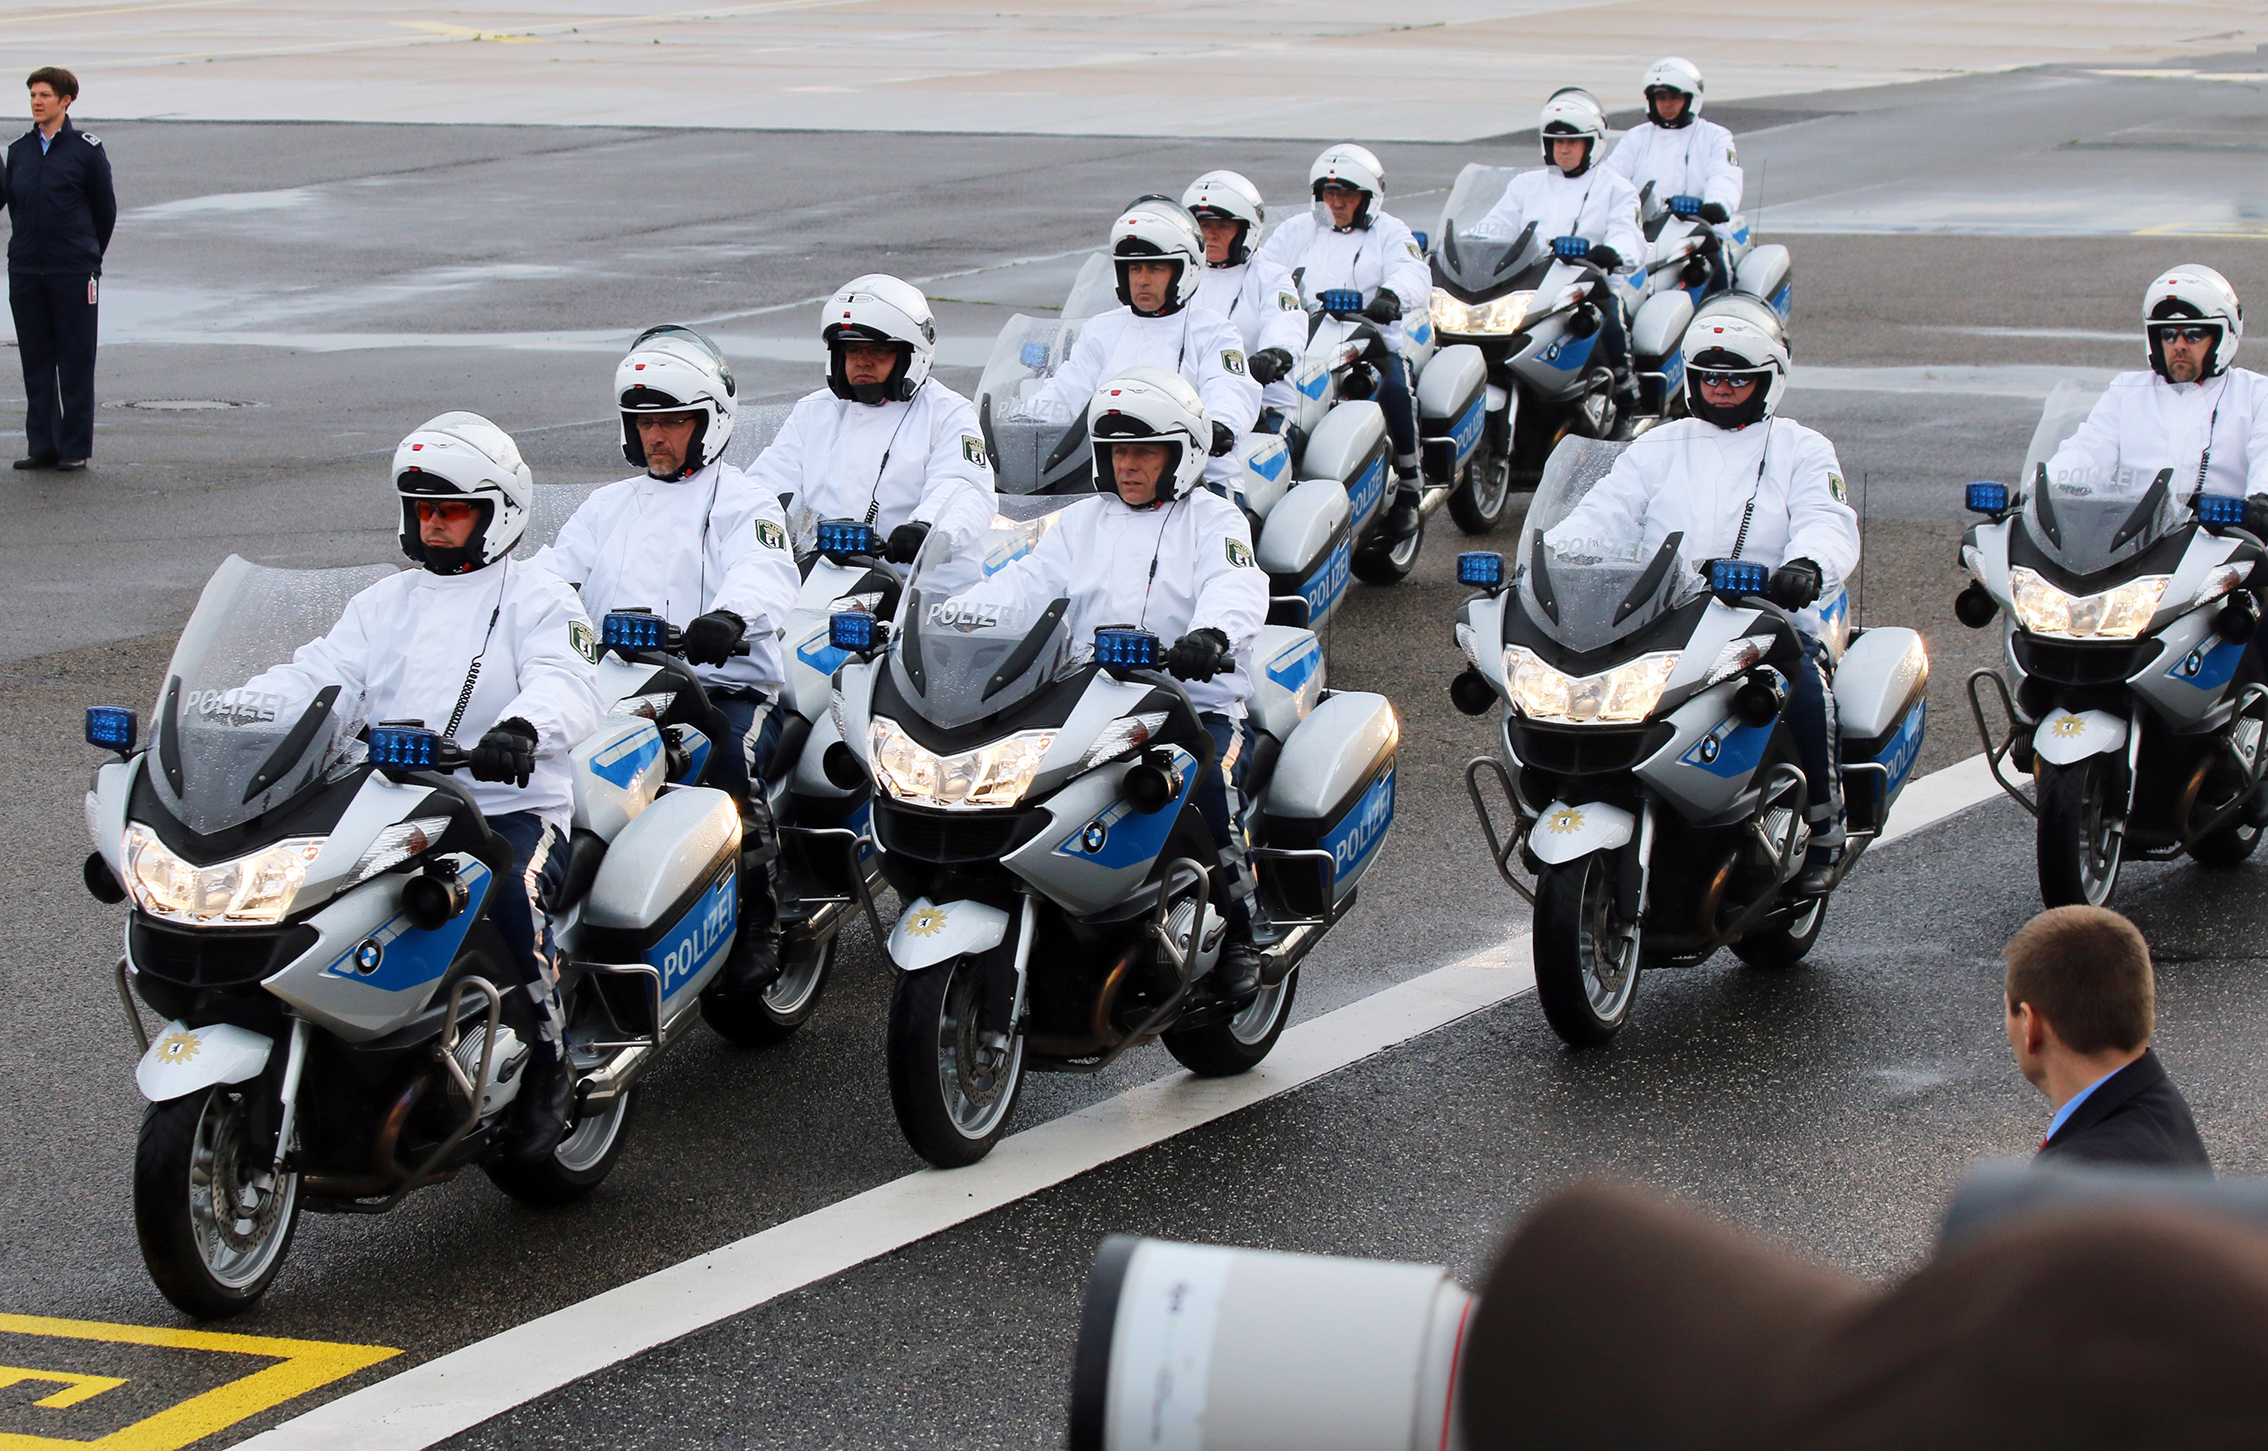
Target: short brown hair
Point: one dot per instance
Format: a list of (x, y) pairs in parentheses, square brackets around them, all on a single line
[(2087, 971), (60, 81)]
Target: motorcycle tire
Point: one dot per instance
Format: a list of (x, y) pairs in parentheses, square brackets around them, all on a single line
[(1379, 561), (775, 1014), (580, 1164), (951, 1110), (1236, 1045), (1586, 963), (2226, 845), (1784, 944), (2079, 846), (1478, 502), (190, 1159)]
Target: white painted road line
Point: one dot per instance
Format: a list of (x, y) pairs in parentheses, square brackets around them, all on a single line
[(453, 1393)]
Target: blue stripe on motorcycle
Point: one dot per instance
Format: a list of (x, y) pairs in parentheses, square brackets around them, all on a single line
[(1123, 837), (820, 655), (1730, 749), (1568, 354), (1367, 489), (1357, 836), (699, 937), (1903, 749), (1313, 387), (1296, 666), (2208, 667), (1323, 588), (619, 764), (409, 957), (1270, 463), (1468, 430)]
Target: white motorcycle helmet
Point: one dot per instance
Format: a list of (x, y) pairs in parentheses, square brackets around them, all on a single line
[(1572, 114), (673, 369), (1354, 167), (1227, 196), (1734, 345), (464, 456), (1674, 73), (879, 308), (2192, 293), (1157, 228), (1150, 404)]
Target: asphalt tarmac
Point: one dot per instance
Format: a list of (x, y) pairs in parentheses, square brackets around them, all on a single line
[(345, 282)]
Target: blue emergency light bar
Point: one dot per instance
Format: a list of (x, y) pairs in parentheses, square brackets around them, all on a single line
[(113, 727), (1738, 577), (1987, 498), (1034, 355), (404, 748), (1685, 206), (634, 630), (1128, 649), (848, 536), (1341, 299), (852, 630), (1483, 569), (1574, 249), (2214, 511)]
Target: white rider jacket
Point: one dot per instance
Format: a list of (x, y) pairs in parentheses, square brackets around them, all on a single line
[(2143, 423), (1770, 492), (1698, 159), (922, 461), (404, 649), (1179, 567), (681, 548), (1598, 206), (1385, 254), (1199, 344), (1261, 299)]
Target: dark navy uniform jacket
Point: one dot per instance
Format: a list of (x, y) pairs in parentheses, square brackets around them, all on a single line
[(62, 204)]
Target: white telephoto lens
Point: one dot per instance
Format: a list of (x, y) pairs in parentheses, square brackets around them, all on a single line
[(1188, 1347)]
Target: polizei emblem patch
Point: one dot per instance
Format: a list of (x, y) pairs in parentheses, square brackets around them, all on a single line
[(1233, 360), (1835, 487), (584, 639), (972, 448), (770, 535), (1239, 556)]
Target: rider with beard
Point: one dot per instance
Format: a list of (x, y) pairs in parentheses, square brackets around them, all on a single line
[(694, 540), (1155, 552), (1349, 241), (1740, 483), (884, 442), (1683, 156), (481, 649), (1573, 198), (1255, 293), (1159, 256)]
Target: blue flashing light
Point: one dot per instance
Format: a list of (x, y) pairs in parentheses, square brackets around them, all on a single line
[(1574, 249), (114, 728), (1987, 498), (2214, 511), (1483, 569), (851, 630), (634, 630), (1034, 355), (848, 536), (1685, 206), (1341, 299), (403, 748), (1738, 577), (1128, 649)]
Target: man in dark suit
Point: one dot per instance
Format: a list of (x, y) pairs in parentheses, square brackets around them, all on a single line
[(2081, 1006), (57, 187)]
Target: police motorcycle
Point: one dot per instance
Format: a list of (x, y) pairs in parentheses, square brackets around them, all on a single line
[(2127, 684), (1033, 802), (1305, 515), (1646, 756), (309, 923)]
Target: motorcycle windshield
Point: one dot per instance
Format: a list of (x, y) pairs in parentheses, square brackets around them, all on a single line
[(979, 631), (1475, 262), (235, 735), (2088, 519), (2067, 406), (1587, 577), (1032, 447)]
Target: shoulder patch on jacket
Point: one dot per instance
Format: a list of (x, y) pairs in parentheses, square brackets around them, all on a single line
[(584, 639), (1239, 557), (1415, 250), (770, 535), (1288, 301), (972, 448), (1732, 154), (92, 140), (1835, 487), (1233, 360)]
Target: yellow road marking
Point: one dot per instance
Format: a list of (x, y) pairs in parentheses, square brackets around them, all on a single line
[(2249, 231), (301, 1366), (76, 1388)]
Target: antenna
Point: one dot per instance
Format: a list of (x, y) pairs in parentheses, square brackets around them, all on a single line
[(1763, 174), (1858, 609)]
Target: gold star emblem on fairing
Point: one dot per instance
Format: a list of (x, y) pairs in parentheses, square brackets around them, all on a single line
[(927, 922), (176, 1048), (1565, 820)]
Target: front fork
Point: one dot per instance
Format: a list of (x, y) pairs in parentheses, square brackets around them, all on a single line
[(1637, 867)]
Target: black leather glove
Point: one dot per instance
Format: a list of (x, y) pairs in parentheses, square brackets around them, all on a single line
[(1605, 258), (506, 753), (1267, 365), (1223, 439), (1794, 584), (2256, 516), (905, 542), (1714, 213), (710, 638), (1385, 307), (1199, 655)]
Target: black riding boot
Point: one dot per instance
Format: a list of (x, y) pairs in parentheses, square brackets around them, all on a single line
[(1402, 515), (755, 961), (545, 1104), (1236, 976)]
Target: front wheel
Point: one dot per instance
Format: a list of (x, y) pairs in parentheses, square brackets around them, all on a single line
[(213, 1216), (2081, 832), (952, 1090), (1586, 958), (1236, 1045), (1477, 503), (785, 1006)]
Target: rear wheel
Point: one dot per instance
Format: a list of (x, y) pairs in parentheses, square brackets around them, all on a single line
[(1586, 958), (2226, 845), (213, 1217), (953, 1092), (2081, 832), (1236, 1045), (582, 1161), (784, 1006), (1784, 944), (1477, 503), (1378, 561)]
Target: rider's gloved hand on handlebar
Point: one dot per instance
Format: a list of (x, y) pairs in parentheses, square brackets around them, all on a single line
[(1199, 655), (506, 753), (1605, 258), (2256, 516), (905, 542), (1794, 584), (1267, 365), (1224, 439), (710, 638), (1385, 307), (1714, 213)]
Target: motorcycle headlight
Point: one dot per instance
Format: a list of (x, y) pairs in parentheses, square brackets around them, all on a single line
[(2115, 614), (653, 706), (1498, 317), (251, 891), (989, 776), (1619, 696)]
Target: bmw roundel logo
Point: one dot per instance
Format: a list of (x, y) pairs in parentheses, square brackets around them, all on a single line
[(369, 955), (1094, 837), (1709, 749), (2194, 662)]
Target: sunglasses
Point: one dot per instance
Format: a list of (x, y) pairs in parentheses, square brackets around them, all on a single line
[(2190, 334), (1717, 379), (449, 510)]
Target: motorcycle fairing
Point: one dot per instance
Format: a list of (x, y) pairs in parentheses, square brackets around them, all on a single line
[(1095, 850), (928, 933), (182, 1059), (323, 984), (1565, 832), (1729, 749), (2066, 737)]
